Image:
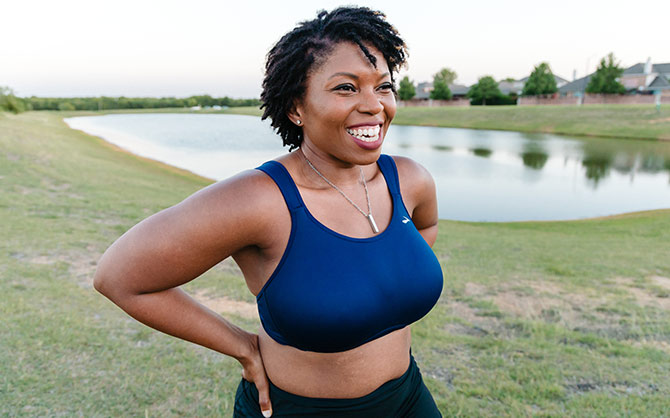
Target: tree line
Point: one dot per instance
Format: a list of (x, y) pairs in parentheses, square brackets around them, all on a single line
[(9, 102), (541, 82)]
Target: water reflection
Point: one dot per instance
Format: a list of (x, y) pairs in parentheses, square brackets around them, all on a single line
[(534, 155), (494, 175), (597, 167), (442, 148), (481, 152)]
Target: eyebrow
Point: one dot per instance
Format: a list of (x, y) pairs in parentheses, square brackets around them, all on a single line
[(354, 76)]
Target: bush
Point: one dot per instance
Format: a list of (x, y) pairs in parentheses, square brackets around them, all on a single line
[(500, 100), (11, 103), (66, 106)]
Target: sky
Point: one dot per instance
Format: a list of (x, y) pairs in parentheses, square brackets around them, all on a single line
[(161, 48)]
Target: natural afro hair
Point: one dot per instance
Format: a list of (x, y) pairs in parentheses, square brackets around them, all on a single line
[(291, 60)]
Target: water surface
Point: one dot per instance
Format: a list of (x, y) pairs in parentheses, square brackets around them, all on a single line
[(480, 175)]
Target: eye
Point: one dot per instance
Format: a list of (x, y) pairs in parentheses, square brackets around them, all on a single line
[(345, 87), (386, 87)]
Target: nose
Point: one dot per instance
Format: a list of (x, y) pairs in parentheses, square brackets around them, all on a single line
[(370, 102)]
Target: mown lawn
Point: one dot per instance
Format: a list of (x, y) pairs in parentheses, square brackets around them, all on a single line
[(617, 121), (536, 318)]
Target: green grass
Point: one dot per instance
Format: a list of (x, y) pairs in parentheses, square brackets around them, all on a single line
[(617, 121), (536, 318)]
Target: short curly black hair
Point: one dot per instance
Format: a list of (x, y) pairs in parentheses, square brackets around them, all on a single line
[(298, 52)]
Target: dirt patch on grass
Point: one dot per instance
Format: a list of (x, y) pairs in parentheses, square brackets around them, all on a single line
[(527, 306), (223, 305), (475, 289), (662, 120), (659, 345), (661, 281), (645, 296)]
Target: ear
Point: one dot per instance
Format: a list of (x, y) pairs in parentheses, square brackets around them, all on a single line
[(295, 114)]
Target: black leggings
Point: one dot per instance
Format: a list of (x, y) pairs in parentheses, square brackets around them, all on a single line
[(405, 396)]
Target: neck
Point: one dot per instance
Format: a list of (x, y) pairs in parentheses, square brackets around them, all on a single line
[(337, 171)]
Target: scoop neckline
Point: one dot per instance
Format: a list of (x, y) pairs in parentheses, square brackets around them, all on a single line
[(332, 231)]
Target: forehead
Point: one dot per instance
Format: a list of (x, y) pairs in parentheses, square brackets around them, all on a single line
[(348, 57)]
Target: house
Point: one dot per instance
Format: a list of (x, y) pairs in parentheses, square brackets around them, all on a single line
[(646, 78), (641, 78), (575, 88), (515, 87), (423, 90)]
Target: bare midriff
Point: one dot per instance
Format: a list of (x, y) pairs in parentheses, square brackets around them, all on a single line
[(344, 375)]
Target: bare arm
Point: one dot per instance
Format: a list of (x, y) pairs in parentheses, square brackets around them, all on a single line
[(418, 190), (141, 271)]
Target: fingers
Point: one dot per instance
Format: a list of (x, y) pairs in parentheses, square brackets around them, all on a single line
[(264, 396)]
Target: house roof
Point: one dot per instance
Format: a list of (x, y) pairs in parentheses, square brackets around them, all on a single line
[(577, 85), (423, 90), (558, 79), (458, 89), (635, 69), (661, 68), (655, 68), (659, 83), (507, 87)]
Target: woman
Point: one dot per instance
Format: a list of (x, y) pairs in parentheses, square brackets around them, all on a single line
[(333, 239)]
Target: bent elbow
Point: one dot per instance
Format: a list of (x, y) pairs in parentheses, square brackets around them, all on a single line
[(100, 283)]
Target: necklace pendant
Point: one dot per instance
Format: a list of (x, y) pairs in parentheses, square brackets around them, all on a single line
[(373, 225)]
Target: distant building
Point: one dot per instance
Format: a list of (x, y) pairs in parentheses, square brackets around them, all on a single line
[(646, 78), (423, 90), (576, 87), (515, 87), (641, 78)]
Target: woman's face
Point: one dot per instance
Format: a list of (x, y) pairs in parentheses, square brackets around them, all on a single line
[(348, 106)]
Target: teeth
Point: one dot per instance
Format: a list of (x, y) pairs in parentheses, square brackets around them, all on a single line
[(366, 134)]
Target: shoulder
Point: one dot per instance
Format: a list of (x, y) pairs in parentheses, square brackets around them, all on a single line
[(416, 182), (244, 205), (249, 187)]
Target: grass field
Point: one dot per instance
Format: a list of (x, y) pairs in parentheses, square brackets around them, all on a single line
[(536, 318), (618, 121)]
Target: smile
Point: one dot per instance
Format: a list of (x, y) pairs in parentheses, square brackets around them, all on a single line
[(365, 134)]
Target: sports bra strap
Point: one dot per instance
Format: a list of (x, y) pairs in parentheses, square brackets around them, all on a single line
[(280, 175), (390, 172)]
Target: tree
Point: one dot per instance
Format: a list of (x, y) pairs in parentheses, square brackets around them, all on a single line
[(541, 81), (406, 89), (446, 74), (9, 102), (440, 90), (485, 89), (604, 80)]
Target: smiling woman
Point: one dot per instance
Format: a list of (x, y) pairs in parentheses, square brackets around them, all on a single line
[(337, 286)]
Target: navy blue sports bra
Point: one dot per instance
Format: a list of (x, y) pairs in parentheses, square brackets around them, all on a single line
[(331, 292)]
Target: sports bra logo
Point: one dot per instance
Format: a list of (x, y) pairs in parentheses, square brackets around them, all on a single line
[(405, 219)]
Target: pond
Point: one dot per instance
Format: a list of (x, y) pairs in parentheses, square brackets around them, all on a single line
[(480, 175)]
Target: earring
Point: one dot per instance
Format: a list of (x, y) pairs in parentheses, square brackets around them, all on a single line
[(298, 122)]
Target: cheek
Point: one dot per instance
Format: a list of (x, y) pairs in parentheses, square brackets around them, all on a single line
[(389, 106)]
